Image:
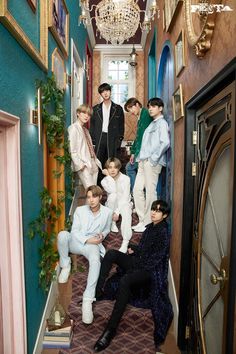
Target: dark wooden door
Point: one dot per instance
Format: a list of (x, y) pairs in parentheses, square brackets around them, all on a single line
[(212, 222)]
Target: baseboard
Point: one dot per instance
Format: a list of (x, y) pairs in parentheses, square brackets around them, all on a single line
[(52, 296), (173, 299)]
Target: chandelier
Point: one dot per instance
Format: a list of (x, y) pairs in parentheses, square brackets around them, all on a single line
[(117, 20)]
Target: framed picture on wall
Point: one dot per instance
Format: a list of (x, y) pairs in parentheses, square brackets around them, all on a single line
[(179, 54), (33, 4), (59, 24), (58, 69), (178, 103), (171, 8)]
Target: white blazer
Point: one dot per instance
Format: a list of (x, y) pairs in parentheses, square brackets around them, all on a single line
[(119, 187), (79, 149)]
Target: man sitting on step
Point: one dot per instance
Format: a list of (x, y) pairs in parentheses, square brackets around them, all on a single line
[(144, 267), (91, 224), (117, 186)]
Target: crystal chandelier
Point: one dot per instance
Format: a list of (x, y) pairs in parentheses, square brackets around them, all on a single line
[(117, 20)]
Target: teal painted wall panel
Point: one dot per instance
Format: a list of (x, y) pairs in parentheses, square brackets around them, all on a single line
[(17, 82), (27, 19), (18, 73)]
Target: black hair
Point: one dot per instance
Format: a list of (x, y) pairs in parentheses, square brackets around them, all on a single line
[(155, 101), (131, 102), (104, 87), (162, 206)]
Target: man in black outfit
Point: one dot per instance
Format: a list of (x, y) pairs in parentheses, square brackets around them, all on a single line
[(145, 266), (107, 126)]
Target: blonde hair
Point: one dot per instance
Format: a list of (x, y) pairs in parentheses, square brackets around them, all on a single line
[(84, 108), (116, 162)]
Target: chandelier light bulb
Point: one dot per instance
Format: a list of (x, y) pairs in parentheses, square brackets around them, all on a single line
[(117, 20)]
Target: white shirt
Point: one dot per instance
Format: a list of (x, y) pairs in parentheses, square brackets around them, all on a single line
[(105, 114), (119, 187)]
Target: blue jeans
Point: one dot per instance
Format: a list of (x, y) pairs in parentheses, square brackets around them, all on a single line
[(131, 171)]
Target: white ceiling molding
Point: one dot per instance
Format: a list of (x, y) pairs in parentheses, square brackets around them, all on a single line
[(123, 49)]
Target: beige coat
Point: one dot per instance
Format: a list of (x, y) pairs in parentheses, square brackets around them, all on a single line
[(79, 149)]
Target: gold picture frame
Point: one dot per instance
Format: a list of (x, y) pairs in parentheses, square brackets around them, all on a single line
[(59, 69), (171, 9), (33, 4), (39, 55), (180, 53), (59, 24), (178, 103)]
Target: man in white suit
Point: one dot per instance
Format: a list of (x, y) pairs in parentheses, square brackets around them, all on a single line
[(84, 160), (91, 224), (117, 186)]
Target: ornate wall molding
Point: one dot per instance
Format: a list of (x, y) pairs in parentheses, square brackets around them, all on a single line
[(199, 27), (40, 56)]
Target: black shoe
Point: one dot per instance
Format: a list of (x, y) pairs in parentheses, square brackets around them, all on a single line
[(105, 339)]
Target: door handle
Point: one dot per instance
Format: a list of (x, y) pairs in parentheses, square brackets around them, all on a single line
[(219, 279)]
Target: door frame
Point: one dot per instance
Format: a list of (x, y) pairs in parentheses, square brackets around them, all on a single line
[(11, 253), (216, 85)]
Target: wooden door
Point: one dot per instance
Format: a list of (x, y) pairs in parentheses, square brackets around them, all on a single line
[(212, 220)]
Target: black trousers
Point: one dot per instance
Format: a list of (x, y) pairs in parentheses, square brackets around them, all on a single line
[(102, 155), (132, 279)]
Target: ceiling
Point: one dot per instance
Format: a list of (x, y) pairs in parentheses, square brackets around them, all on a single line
[(97, 40)]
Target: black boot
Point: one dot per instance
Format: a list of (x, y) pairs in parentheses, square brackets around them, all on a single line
[(105, 339)]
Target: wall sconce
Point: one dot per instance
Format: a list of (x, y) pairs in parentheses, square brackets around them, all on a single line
[(133, 57), (36, 115)]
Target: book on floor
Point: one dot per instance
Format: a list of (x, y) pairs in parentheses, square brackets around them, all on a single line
[(57, 342)]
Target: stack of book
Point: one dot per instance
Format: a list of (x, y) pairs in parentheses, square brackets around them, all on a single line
[(58, 336)]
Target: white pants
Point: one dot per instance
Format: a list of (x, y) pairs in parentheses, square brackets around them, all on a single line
[(126, 214), (89, 176), (66, 244), (147, 178)]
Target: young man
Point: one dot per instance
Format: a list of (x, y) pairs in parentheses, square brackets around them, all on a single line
[(84, 160), (91, 224), (117, 186), (145, 266), (135, 107), (151, 158), (107, 126)]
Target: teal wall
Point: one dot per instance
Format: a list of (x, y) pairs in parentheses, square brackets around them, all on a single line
[(18, 73)]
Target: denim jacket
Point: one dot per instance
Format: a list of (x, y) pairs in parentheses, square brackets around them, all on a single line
[(155, 142)]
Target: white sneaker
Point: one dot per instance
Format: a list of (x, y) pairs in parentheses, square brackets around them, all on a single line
[(114, 228), (140, 227), (87, 311), (124, 247), (64, 275)]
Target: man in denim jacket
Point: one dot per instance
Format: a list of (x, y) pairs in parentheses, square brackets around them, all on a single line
[(151, 158)]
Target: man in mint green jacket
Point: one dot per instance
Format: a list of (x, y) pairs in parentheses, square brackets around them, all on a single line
[(135, 107)]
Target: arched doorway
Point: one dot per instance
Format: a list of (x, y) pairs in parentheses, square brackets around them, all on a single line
[(165, 88)]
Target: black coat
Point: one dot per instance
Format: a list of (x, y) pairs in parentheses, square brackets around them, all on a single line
[(115, 128), (152, 255)]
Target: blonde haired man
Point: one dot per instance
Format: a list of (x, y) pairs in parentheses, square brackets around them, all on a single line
[(84, 160), (117, 186), (91, 224)]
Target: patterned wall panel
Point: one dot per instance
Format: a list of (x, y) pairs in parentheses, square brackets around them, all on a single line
[(96, 77)]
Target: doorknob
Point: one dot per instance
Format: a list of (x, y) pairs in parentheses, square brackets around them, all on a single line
[(222, 278)]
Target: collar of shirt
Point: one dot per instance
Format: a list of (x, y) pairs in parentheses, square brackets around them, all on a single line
[(161, 116)]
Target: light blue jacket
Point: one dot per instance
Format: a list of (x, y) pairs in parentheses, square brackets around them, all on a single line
[(155, 142), (86, 225)]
